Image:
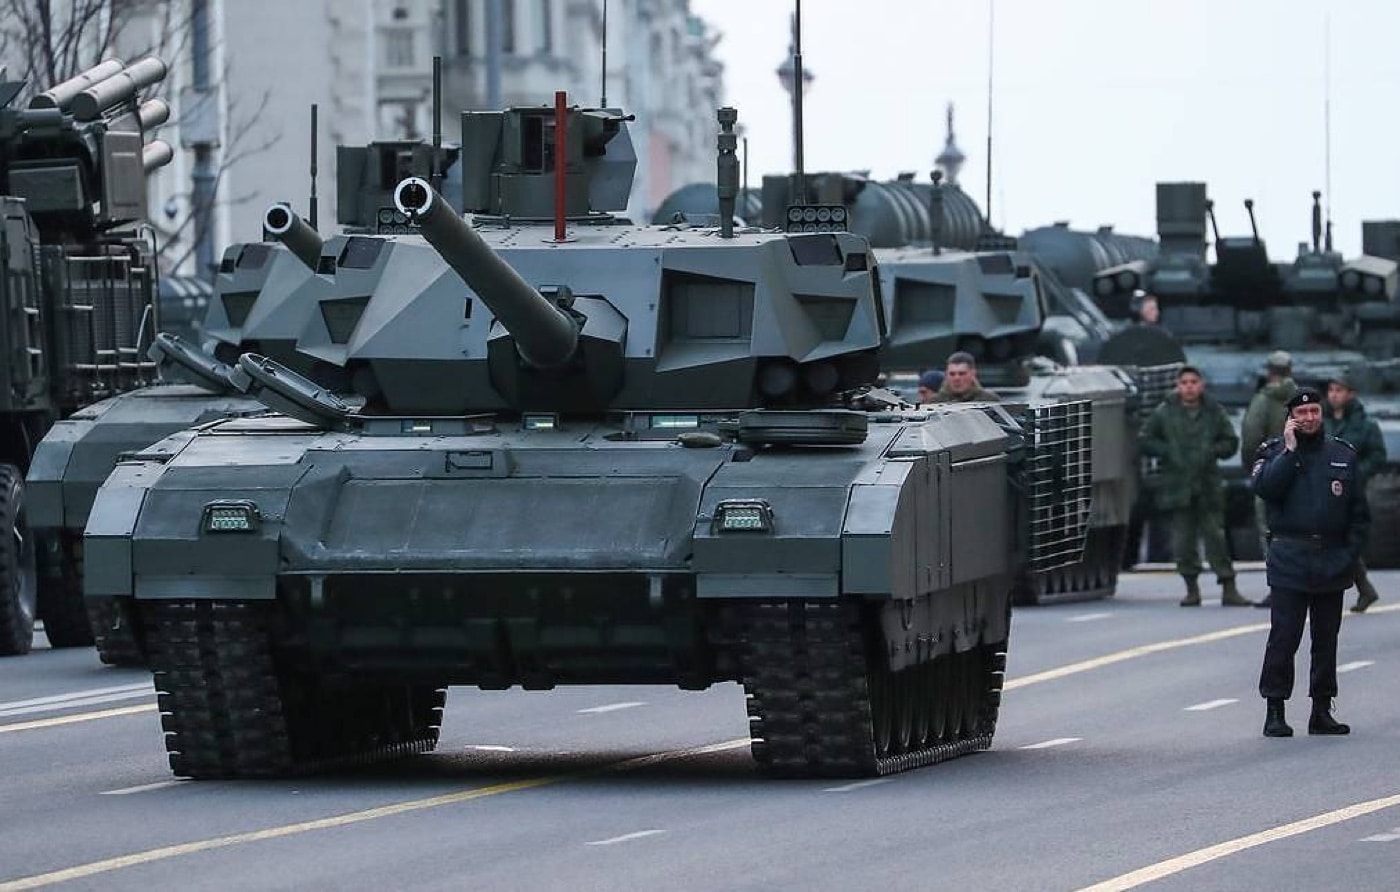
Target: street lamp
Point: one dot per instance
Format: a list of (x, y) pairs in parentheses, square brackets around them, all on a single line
[(787, 76)]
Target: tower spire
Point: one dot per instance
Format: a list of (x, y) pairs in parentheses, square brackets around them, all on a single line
[(951, 159)]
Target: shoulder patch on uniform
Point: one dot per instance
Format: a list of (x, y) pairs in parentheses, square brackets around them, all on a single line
[(1266, 447)]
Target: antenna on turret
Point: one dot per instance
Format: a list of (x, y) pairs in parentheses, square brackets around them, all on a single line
[(311, 217), (799, 175), (603, 103), (435, 166), (1210, 215), (1253, 226), (727, 175), (1327, 120), (1317, 221), (561, 161), (991, 58)]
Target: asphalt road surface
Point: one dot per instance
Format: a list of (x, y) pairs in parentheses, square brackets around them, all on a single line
[(1128, 754)]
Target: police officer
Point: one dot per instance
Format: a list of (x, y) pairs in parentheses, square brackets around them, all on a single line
[(1318, 521)]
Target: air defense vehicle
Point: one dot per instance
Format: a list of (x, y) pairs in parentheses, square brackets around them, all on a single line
[(264, 295), (77, 287), (586, 452), (1333, 315)]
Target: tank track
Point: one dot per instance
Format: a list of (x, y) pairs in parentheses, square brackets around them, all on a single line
[(1093, 578), (114, 631), (822, 701), (61, 604), (230, 711)]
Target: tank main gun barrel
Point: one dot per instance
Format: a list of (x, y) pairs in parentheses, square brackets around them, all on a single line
[(60, 95), (89, 104), (285, 225), (545, 335)]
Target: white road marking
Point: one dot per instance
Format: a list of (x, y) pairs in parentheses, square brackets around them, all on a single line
[(1209, 704), (1352, 667), (858, 785), (1176, 865), (492, 748), (611, 707), (1088, 617), (160, 785), (1381, 837), (1047, 744), (75, 699), (626, 837)]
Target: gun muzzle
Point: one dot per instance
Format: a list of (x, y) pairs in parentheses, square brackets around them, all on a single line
[(157, 153), (153, 113), (89, 104), (60, 95), (283, 224)]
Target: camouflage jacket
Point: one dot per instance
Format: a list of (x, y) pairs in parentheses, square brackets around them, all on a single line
[(978, 394), (1188, 444), (1264, 418), (1361, 433)]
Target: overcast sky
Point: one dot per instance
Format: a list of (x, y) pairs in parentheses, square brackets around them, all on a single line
[(1095, 101)]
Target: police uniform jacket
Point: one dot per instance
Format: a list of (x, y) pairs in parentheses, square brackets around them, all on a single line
[(1318, 517)]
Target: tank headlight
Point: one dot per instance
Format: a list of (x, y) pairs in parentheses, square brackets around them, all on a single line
[(743, 516), (239, 516), (1351, 280), (1104, 286), (1372, 285)]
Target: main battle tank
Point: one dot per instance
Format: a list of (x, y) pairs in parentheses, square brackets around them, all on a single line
[(77, 287), (1331, 314), (991, 304), (588, 453), (264, 295)]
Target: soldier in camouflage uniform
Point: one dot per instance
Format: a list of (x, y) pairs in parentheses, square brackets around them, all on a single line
[(960, 384), (1346, 420), (1264, 420), (1188, 433)]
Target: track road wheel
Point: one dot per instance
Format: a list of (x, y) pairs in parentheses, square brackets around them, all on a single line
[(18, 583), (61, 604), (114, 631)]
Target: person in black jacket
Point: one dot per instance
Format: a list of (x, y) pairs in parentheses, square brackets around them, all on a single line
[(1318, 520)]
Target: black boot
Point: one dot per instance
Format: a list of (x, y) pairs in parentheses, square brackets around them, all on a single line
[(1193, 592), (1274, 723), (1322, 721)]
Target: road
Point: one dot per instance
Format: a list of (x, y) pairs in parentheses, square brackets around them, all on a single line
[(1128, 754)]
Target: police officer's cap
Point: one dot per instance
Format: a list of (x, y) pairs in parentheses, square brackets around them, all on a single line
[(1305, 396), (1279, 361)]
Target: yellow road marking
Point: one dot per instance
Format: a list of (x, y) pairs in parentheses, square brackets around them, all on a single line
[(76, 717), (1180, 863), (163, 853)]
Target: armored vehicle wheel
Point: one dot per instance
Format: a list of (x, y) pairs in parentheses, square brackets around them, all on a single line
[(114, 630), (1383, 493), (18, 582), (822, 700), (229, 709), (61, 604)]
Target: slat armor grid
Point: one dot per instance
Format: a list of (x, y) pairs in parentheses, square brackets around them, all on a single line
[(1059, 482), (1154, 383)]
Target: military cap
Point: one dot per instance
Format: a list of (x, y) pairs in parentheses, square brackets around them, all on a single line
[(1279, 360), (931, 379), (1305, 396), (1344, 379)]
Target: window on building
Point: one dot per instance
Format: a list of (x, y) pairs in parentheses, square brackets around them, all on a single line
[(462, 27), (546, 25), (507, 26), (398, 48)]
